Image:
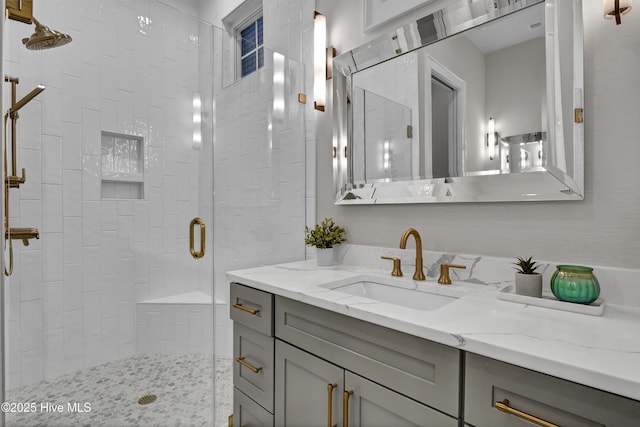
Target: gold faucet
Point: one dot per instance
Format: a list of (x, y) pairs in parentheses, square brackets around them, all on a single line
[(418, 274)]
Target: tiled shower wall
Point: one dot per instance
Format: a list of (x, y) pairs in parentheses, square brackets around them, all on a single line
[(132, 68), (264, 151)]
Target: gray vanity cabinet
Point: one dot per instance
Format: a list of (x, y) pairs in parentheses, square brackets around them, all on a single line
[(420, 378), (308, 389), (490, 385)]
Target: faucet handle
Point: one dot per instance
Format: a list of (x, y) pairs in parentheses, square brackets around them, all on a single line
[(444, 278), (397, 271)]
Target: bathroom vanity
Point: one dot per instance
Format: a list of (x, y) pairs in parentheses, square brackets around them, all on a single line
[(309, 354)]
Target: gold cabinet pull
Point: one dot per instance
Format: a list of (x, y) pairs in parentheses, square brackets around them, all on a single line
[(247, 365), (192, 225), (246, 309), (504, 407), (345, 407), (330, 388)]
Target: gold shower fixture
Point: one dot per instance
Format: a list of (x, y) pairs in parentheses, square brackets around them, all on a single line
[(43, 37), (13, 180)]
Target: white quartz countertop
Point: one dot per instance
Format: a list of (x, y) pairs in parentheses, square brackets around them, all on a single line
[(597, 351)]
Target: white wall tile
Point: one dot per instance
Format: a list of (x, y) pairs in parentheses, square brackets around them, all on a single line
[(73, 334), (91, 267), (73, 291), (31, 275), (72, 145), (32, 366), (72, 100), (92, 314), (91, 132), (51, 159), (52, 208), (52, 257), (91, 213), (32, 325), (90, 86), (32, 188), (72, 193), (53, 353), (53, 306), (52, 111), (72, 240), (109, 339)]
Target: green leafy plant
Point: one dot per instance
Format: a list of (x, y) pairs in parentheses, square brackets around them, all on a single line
[(324, 235), (526, 266)]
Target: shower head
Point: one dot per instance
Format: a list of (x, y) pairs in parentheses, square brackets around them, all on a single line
[(28, 97), (45, 38)]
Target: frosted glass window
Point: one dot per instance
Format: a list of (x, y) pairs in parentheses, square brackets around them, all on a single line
[(122, 166)]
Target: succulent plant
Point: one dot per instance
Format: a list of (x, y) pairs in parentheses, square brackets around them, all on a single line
[(324, 235), (526, 266)]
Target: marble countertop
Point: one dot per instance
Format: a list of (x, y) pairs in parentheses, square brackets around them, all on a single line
[(597, 351)]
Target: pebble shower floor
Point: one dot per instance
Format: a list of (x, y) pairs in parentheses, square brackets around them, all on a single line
[(182, 384)]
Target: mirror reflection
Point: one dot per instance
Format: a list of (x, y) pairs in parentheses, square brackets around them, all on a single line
[(435, 124)]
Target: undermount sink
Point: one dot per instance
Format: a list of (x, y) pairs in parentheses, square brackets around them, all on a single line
[(426, 296)]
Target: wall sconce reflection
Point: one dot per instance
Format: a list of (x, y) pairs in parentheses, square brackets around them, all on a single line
[(197, 122), (616, 8), (386, 155), (492, 138), (319, 61)]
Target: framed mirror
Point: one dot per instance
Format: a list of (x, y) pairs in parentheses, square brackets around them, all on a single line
[(480, 101)]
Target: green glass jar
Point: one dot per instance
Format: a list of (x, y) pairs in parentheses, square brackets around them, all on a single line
[(575, 283)]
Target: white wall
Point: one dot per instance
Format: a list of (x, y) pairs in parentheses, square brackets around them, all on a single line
[(71, 300), (603, 229)]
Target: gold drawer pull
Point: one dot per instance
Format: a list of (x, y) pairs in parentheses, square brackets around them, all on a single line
[(252, 368), (345, 407), (330, 388), (248, 310), (504, 407)]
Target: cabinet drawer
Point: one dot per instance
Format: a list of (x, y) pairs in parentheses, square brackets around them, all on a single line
[(253, 364), (554, 400), (246, 412), (252, 308), (423, 370)]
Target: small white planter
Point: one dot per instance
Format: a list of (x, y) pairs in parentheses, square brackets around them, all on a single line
[(324, 257), (529, 284)]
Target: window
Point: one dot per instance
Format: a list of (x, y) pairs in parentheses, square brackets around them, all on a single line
[(251, 50)]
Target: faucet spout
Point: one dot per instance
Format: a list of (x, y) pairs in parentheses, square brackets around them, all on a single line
[(419, 273)]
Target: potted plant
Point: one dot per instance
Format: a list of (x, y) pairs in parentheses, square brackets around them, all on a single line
[(528, 281), (324, 237)]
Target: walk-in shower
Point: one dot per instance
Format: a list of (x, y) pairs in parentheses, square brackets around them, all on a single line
[(114, 302)]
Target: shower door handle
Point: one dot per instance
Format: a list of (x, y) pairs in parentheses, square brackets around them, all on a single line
[(197, 254)]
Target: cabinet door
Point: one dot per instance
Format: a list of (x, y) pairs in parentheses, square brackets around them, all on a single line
[(372, 405), (493, 387), (308, 389)]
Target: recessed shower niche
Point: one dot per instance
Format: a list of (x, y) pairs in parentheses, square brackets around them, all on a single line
[(122, 166)]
